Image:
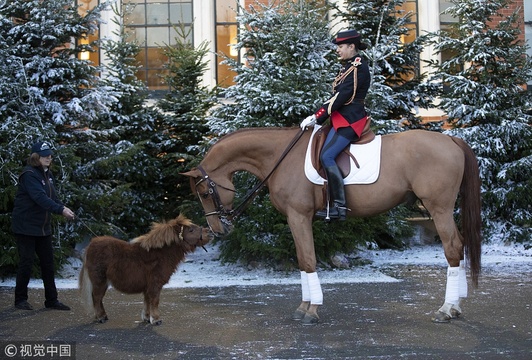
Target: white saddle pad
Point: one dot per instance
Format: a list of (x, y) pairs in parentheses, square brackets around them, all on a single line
[(367, 155)]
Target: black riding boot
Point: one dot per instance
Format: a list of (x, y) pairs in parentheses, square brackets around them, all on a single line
[(336, 192)]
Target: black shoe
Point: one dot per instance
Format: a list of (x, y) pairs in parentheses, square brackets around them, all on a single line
[(24, 305), (58, 306), (335, 213)]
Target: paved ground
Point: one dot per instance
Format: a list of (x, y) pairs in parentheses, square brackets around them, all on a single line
[(358, 321)]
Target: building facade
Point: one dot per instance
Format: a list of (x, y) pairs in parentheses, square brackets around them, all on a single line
[(151, 23)]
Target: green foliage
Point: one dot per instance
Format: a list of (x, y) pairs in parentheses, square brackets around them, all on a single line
[(484, 98), (183, 126), (45, 95), (116, 178), (289, 70)]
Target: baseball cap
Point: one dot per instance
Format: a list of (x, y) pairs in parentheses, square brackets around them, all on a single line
[(42, 148)]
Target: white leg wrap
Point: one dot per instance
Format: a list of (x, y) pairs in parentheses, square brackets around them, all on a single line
[(451, 290), (305, 292), (316, 295), (462, 287)]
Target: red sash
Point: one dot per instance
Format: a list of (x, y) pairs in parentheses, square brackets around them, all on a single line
[(338, 121)]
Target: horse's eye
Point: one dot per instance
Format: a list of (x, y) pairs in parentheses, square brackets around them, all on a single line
[(205, 195)]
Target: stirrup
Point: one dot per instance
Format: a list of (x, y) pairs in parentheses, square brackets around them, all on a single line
[(337, 213)]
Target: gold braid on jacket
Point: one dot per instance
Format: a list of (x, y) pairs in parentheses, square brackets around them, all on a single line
[(341, 77)]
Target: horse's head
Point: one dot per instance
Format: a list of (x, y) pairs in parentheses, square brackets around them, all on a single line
[(215, 198)]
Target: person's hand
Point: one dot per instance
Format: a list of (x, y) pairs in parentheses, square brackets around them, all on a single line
[(69, 214), (309, 121)]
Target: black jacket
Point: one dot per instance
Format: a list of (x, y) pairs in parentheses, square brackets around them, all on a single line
[(35, 201), (349, 91)]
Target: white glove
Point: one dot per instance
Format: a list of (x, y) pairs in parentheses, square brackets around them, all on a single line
[(309, 121)]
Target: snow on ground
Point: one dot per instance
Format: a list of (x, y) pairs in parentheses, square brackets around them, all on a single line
[(204, 269)]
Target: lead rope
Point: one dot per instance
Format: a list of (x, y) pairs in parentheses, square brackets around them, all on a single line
[(88, 228)]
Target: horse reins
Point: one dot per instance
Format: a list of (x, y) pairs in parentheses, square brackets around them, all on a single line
[(212, 186)]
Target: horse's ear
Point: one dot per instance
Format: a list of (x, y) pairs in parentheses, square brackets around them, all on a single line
[(194, 173)]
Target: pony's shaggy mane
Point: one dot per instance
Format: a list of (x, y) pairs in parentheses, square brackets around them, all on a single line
[(163, 234)]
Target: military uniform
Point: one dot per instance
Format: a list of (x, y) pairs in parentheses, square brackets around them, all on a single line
[(346, 107), (348, 117)]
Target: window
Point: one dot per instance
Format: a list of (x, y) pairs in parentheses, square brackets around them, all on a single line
[(410, 7), (151, 23), (93, 57), (226, 36)]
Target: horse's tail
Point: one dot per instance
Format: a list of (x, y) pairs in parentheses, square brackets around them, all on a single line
[(470, 209), (85, 286)]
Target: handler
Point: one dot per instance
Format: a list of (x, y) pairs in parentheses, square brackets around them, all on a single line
[(36, 200), (348, 116)]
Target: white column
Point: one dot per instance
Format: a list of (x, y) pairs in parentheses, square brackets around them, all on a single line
[(428, 21), (108, 30), (205, 30), (338, 24)]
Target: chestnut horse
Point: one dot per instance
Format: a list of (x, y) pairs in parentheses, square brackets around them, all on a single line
[(430, 166), (143, 265)]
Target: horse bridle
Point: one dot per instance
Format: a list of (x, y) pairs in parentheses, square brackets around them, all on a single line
[(212, 191), (223, 214)]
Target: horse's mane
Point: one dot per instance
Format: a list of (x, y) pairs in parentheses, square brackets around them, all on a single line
[(251, 129), (163, 234)]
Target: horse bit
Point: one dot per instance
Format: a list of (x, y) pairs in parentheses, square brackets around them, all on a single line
[(212, 191)]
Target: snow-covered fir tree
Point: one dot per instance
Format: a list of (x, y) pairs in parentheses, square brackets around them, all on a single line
[(129, 117), (117, 177), (289, 69), (185, 107), (46, 94), (398, 89), (484, 96)]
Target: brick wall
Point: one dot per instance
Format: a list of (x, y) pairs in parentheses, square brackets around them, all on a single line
[(521, 21)]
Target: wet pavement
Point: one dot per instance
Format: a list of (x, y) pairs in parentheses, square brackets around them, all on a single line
[(358, 321)]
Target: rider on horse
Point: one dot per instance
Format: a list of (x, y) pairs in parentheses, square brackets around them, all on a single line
[(348, 116)]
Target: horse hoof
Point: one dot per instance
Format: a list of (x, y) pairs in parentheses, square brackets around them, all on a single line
[(102, 319), (310, 319), (298, 314), (156, 322), (441, 317)]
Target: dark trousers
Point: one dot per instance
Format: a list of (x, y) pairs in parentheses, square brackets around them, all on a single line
[(28, 246), (334, 145)]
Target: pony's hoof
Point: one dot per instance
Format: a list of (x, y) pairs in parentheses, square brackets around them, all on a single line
[(441, 317), (455, 313), (103, 319), (298, 314), (156, 322), (310, 319)]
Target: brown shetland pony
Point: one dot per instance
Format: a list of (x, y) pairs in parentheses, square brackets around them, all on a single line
[(143, 265), (430, 166)]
